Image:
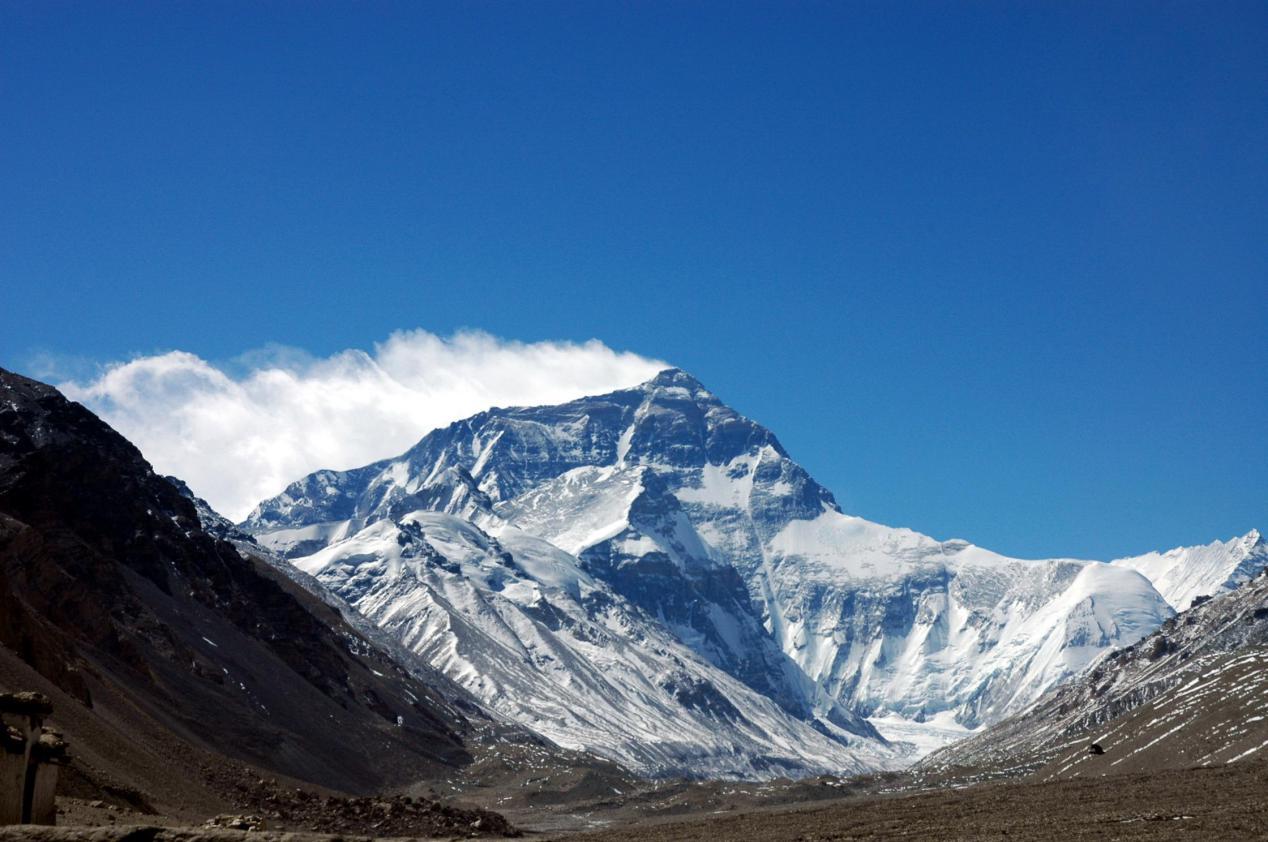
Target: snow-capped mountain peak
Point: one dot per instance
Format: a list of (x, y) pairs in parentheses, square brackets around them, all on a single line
[(699, 522)]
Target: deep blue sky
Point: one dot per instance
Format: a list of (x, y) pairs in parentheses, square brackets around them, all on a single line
[(996, 271)]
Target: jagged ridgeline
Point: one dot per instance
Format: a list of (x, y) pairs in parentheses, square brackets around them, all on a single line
[(648, 574)]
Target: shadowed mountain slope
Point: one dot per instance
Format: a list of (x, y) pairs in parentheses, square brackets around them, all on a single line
[(172, 643)]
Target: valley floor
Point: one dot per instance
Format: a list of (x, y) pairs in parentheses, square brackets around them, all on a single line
[(1229, 802)]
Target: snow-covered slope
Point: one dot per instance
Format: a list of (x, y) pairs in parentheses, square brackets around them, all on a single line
[(1184, 573), (698, 519), (898, 624), (518, 623)]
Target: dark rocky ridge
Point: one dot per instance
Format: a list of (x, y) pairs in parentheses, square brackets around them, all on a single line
[(171, 642)]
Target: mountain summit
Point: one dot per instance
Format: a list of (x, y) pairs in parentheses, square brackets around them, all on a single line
[(694, 525)]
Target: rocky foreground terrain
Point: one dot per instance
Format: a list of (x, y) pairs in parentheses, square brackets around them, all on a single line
[(1220, 803), (1225, 802)]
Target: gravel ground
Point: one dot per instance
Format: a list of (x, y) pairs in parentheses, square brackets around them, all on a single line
[(1226, 802), (1229, 802)]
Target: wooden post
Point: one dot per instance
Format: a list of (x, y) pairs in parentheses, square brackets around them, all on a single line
[(12, 774), (25, 712), (49, 755)]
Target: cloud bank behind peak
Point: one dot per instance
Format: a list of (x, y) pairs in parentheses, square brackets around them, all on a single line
[(238, 436)]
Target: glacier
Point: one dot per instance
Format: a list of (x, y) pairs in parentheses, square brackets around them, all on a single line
[(648, 575)]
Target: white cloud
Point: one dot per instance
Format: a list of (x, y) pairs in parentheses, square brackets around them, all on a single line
[(239, 438)]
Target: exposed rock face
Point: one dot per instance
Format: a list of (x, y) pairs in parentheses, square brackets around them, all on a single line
[(113, 590), (676, 505)]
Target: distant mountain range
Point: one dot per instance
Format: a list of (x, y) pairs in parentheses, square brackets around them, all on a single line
[(648, 575)]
